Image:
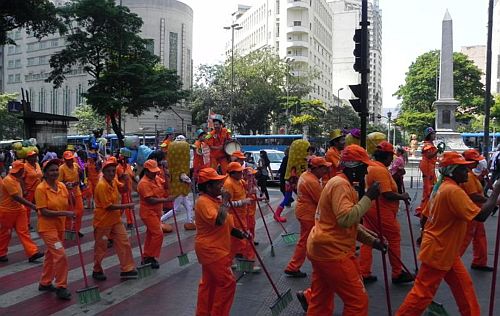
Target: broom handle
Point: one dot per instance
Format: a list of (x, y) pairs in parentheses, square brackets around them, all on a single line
[(256, 253), (136, 227), (272, 210), (80, 255), (177, 232), (264, 221), (495, 270), (407, 207), (384, 262)]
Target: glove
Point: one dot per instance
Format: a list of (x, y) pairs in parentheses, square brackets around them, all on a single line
[(441, 147), (238, 233)]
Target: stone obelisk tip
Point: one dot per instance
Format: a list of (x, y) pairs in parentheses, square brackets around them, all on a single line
[(447, 16)]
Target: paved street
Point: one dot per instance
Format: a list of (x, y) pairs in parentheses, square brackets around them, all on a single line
[(172, 290)]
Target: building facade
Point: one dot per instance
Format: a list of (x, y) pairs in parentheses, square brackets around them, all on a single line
[(477, 54), (495, 49), (346, 18)]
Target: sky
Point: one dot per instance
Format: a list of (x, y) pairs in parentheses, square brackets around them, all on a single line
[(409, 29)]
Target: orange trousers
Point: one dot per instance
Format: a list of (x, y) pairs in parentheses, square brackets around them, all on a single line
[(476, 234), (427, 283), (15, 221), (299, 256), (251, 224), (154, 234), (121, 244), (428, 183), (128, 212), (216, 288), (30, 196), (219, 161), (241, 246), (77, 207), (339, 277), (55, 265), (392, 232)]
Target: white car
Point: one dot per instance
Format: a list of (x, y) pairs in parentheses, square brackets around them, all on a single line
[(275, 157)]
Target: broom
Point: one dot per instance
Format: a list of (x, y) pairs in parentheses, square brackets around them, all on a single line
[(89, 294), (70, 234), (267, 230), (283, 299), (288, 238), (495, 270), (143, 270), (183, 258), (384, 262), (407, 206)]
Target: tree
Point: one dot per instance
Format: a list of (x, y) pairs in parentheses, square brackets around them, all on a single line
[(88, 119), (37, 16), (11, 127)]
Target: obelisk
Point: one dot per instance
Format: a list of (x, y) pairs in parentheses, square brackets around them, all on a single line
[(446, 104)]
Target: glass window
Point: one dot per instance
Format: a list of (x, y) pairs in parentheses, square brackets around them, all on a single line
[(172, 55)]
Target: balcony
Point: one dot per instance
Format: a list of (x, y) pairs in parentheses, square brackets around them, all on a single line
[(299, 58), (297, 44), (297, 4), (297, 29)]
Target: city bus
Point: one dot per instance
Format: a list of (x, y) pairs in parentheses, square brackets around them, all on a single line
[(475, 140), (112, 144), (259, 142)]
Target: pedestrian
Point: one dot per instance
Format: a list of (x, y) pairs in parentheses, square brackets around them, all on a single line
[(239, 157), (169, 137), (337, 144), (201, 157), (332, 241), (216, 139), (263, 173), (388, 203), (249, 161), (108, 225), (251, 190), (308, 194), (31, 178), (52, 203), (397, 168), (13, 214), (69, 174), (151, 195), (427, 167), (494, 165), (93, 172), (126, 197), (449, 211)]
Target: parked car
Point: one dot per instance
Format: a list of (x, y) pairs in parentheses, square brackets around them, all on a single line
[(275, 156)]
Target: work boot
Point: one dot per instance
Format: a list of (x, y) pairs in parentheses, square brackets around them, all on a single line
[(302, 300), (481, 268), (296, 274), (277, 215), (46, 288), (130, 226), (99, 276), (152, 261), (63, 293), (370, 279), (36, 256), (129, 275), (189, 226), (4, 259), (404, 277)]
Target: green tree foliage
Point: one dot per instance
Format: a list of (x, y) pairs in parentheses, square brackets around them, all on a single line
[(36, 16), (11, 127), (88, 120), (415, 122)]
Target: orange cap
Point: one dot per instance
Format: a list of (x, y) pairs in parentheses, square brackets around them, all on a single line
[(208, 174), (234, 167), (68, 155), (151, 165), (356, 153), (453, 158), (111, 161), (17, 166), (31, 153), (385, 146), (251, 170), (50, 162), (473, 154), (319, 162), (238, 154)]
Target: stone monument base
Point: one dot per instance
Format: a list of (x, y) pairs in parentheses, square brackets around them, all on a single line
[(453, 140)]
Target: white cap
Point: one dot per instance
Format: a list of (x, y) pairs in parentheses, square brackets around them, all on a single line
[(180, 138)]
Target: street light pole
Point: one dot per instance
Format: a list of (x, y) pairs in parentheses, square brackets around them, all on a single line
[(389, 114), (182, 120), (287, 61), (338, 104), (232, 27)]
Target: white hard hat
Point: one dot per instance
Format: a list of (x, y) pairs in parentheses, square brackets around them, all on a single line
[(180, 138)]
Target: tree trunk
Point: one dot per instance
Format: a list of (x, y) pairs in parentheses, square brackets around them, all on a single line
[(118, 130)]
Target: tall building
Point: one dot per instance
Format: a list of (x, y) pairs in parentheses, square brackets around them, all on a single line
[(477, 54), (300, 30), (167, 23), (495, 49), (346, 18)]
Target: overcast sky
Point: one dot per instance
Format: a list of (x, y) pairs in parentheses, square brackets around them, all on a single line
[(409, 28)]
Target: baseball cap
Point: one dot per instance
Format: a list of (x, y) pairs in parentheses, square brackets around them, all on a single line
[(208, 174), (238, 154), (234, 167), (319, 162), (68, 155), (151, 165), (336, 134), (31, 153), (111, 161), (356, 153), (473, 154), (453, 158), (385, 146)]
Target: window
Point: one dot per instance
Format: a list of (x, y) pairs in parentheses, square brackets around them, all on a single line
[(10, 79), (31, 61), (54, 43), (42, 60), (172, 54), (297, 23), (66, 98), (11, 49), (43, 45), (31, 47), (18, 63), (150, 45), (10, 65), (41, 99)]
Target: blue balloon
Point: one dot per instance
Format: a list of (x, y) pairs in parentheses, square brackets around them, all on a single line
[(143, 154)]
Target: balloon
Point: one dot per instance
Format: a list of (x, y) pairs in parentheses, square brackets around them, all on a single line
[(349, 140), (143, 153), (131, 142), (297, 158), (178, 163), (372, 140)]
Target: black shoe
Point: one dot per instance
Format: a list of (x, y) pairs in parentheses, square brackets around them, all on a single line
[(130, 226), (4, 259), (63, 293), (296, 274), (404, 277), (46, 288), (99, 276), (256, 243), (110, 243), (80, 235), (152, 261), (36, 256), (129, 275), (302, 300), (370, 279), (481, 268)]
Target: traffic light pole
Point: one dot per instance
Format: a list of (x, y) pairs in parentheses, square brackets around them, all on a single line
[(364, 74)]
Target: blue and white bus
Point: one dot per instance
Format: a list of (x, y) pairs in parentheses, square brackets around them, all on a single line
[(258, 142), (475, 140)]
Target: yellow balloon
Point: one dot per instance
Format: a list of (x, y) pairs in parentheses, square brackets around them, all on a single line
[(372, 140), (297, 157)]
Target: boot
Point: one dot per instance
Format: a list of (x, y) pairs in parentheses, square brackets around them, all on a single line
[(277, 215)]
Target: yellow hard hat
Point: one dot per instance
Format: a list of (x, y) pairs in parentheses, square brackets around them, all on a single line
[(336, 133)]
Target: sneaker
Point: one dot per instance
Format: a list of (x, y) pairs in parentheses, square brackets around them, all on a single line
[(4, 259), (152, 261), (46, 288), (255, 243), (404, 277), (189, 226), (302, 300), (296, 274), (99, 276), (482, 268), (129, 275), (256, 269), (63, 293), (370, 279), (36, 256)]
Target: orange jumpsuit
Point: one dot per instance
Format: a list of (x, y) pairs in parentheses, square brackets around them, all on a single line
[(331, 248), (72, 175), (475, 230), (213, 249), (428, 168), (390, 225), (164, 145), (333, 156), (251, 189), (150, 214), (308, 192), (198, 159), (93, 175), (51, 230), (32, 177), (108, 225), (218, 156), (126, 196), (13, 217), (448, 216)]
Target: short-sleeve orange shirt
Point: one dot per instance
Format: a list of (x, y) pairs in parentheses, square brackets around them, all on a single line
[(32, 176), (150, 188), (217, 139), (381, 174), (212, 242), (449, 213), (46, 197), (328, 240), (121, 169), (70, 175), (92, 172), (237, 190), (472, 186), (11, 187), (105, 195), (333, 155), (308, 192), (428, 165)]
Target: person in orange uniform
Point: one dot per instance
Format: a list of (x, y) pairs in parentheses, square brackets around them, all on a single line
[(169, 137), (427, 167), (52, 203), (337, 144), (151, 194), (31, 178), (216, 139), (239, 157), (93, 171), (475, 231), (251, 189), (308, 192), (332, 241), (448, 214), (201, 157), (389, 207), (69, 174), (214, 228), (125, 168), (13, 215), (108, 225)]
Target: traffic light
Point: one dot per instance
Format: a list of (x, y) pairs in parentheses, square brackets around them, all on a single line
[(358, 104), (359, 51)]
